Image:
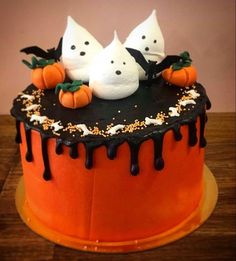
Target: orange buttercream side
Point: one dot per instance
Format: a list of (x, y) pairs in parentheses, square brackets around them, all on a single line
[(107, 203)]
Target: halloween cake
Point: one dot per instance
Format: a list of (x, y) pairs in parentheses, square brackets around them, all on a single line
[(112, 163)]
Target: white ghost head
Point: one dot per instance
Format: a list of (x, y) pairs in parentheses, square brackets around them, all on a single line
[(148, 39), (114, 72), (79, 48)]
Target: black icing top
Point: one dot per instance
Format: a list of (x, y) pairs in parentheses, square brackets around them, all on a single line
[(148, 113)]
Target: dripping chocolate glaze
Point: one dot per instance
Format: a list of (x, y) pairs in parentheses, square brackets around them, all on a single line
[(28, 155), (47, 172), (146, 101)]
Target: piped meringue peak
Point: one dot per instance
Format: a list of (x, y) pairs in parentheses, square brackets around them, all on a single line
[(114, 72), (79, 48), (148, 39)]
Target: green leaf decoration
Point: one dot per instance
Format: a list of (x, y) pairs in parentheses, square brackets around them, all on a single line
[(68, 87), (185, 61), (35, 63), (27, 64)]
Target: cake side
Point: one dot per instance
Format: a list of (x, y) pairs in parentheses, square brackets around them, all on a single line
[(106, 203)]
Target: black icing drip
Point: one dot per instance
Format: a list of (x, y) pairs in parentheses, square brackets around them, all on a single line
[(208, 104), (146, 101), (192, 132), (158, 144), (47, 172), (177, 133), (202, 127), (59, 149), (89, 155), (134, 149), (28, 155), (74, 151), (18, 136), (112, 148)]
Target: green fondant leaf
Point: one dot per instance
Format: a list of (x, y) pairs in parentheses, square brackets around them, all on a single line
[(58, 87), (185, 61), (34, 62), (68, 87), (176, 66), (27, 64), (73, 88), (77, 83)]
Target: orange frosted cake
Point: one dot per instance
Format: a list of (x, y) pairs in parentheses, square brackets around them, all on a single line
[(109, 156)]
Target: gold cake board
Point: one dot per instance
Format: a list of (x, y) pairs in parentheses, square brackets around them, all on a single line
[(199, 216)]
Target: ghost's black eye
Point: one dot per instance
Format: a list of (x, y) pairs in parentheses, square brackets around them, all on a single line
[(124, 63), (86, 43), (143, 37), (72, 47), (112, 61), (155, 41)]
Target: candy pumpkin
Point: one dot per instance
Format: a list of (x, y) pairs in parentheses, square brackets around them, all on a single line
[(74, 95), (182, 73), (46, 74)]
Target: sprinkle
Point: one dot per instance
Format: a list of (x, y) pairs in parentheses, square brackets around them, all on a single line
[(84, 128), (56, 126), (31, 107), (149, 121), (193, 94), (118, 111), (135, 106), (38, 118), (173, 112), (186, 102), (27, 97), (113, 130)]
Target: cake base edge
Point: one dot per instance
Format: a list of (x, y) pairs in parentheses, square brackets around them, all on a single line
[(191, 223)]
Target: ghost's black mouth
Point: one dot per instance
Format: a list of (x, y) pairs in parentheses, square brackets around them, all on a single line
[(147, 49), (118, 72), (82, 53)]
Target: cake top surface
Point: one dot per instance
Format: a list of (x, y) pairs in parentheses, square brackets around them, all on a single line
[(154, 108)]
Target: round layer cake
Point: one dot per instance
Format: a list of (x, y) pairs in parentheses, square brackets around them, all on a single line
[(114, 170)]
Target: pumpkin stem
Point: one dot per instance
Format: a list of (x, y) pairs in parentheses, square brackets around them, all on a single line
[(68, 87), (185, 61), (41, 63)]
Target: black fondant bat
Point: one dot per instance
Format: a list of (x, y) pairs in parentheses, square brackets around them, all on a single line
[(151, 68), (49, 54)]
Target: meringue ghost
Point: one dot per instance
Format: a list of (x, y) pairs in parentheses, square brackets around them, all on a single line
[(114, 72), (148, 39), (79, 48)]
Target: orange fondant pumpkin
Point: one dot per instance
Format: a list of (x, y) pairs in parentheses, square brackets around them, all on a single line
[(74, 95), (46, 74), (182, 73)]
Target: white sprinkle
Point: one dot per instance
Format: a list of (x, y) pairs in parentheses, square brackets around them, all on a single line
[(27, 96), (31, 107), (149, 121), (56, 126), (114, 129), (186, 102), (38, 118), (84, 128), (173, 112), (193, 94)]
